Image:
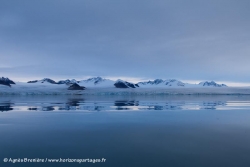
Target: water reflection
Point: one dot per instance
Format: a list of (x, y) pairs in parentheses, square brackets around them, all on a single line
[(82, 104), (71, 104), (33, 108), (48, 108), (6, 106), (213, 105), (125, 105)]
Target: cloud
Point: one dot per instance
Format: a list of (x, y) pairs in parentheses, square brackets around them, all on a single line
[(191, 40)]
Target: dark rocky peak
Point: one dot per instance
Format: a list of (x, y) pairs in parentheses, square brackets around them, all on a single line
[(43, 80), (154, 82), (125, 84), (75, 86), (67, 81), (6, 81), (48, 80), (32, 81), (212, 84)]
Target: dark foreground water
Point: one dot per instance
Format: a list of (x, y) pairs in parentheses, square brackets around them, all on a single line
[(150, 131)]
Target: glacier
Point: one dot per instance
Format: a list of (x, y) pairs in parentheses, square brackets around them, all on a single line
[(101, 86)]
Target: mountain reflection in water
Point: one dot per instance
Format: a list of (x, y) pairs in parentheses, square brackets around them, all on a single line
[(81, 103)]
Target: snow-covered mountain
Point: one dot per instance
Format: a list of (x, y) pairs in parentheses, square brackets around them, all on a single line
[(177, 83), (48, 80), (6, 81), (96, 82), (154, 82), (91, 82), (45, 80), (161, 83), (124, 84), (67, 81), (101, 82), (101, 86), (211, 84)]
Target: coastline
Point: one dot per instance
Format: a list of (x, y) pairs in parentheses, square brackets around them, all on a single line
[(62, 90)]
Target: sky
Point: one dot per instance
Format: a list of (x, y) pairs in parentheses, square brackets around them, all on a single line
[(192, 40)]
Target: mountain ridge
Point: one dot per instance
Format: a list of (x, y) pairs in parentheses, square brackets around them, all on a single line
[(103, 82)]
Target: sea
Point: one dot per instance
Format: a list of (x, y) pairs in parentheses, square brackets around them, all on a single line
[(125, 131)]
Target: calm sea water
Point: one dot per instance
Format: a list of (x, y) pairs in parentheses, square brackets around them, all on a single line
[(127, 131)]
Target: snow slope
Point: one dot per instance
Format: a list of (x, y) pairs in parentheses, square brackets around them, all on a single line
[(159, 83), (21, 88), (162, 83), (96, 82)]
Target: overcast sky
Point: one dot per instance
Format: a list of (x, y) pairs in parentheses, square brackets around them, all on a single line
[(139, 40)]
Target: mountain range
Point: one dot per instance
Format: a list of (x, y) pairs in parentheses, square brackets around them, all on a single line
[(101, 82)]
